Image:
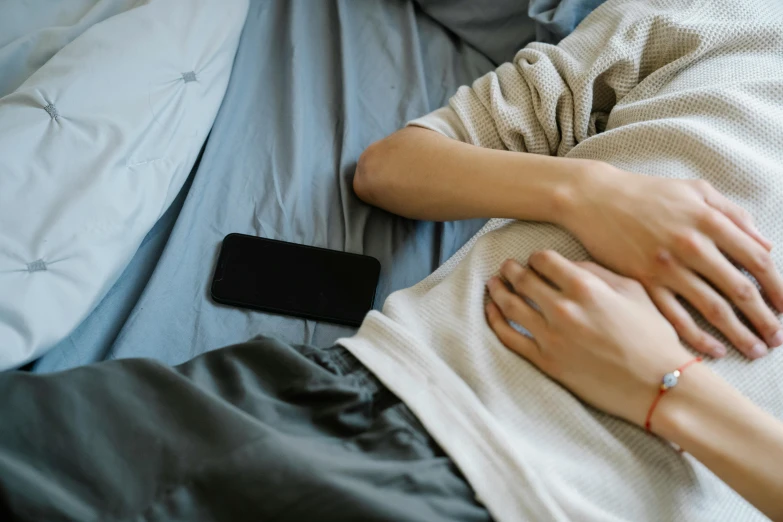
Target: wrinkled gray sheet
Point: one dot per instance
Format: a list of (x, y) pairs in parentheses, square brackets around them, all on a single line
[(313, 84)]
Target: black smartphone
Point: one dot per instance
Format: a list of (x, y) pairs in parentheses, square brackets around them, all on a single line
[(286, 278)]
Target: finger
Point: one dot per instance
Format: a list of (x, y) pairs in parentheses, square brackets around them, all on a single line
[(512, 339), (738, 215), (716, 310), (749, 254), (527, 283), (704, 257), (614, 280), (682, 321), (561, 271), (514, 308)]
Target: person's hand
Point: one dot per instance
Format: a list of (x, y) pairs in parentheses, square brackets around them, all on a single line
[(679, 238), (596, 333)]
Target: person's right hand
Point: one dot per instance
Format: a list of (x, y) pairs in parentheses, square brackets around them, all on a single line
[(599, 335), (679, 238), (595, 332)]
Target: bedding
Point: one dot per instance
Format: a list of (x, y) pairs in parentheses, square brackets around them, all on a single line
[(33, 31), (313, 84), (500, 28), (261, 431), (94, 146)]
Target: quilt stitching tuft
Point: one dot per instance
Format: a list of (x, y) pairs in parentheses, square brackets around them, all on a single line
[(39, 265), (52, 110)]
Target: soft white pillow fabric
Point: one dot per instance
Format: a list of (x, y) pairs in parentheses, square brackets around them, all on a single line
[(32, 31), (94, 146)]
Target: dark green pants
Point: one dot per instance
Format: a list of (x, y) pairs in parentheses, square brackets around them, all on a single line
[(258, 431)]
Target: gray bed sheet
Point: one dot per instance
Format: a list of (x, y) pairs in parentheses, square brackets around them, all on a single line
[(313, 84)]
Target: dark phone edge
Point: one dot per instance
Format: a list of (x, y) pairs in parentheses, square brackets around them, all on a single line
[(352, 254), (289, 313), (280, 311)]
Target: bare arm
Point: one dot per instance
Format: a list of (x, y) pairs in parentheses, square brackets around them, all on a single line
[(667, 234), (420, 174), (734, 438), (600, 336)]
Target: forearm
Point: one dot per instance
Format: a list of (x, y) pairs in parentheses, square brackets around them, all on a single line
[(420, 174), (735, 439)]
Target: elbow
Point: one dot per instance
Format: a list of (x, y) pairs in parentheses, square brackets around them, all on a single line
[(368, 175), (383, 172)]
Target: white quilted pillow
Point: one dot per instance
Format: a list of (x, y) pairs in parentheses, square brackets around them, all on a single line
[(94, 146)]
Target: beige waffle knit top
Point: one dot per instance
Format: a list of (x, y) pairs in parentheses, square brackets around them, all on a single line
[(685, 89)]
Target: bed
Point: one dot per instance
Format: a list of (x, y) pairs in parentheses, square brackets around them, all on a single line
[(312, 84)]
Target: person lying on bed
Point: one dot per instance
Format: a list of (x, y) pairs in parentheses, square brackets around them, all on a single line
[(556, 141)]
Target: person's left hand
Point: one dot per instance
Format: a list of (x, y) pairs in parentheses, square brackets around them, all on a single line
[(679, 238)]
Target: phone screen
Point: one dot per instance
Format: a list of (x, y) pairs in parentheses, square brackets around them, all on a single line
[(287, 278)]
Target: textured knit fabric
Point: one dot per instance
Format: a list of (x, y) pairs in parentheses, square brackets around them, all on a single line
[(682, 89), (259, 431)]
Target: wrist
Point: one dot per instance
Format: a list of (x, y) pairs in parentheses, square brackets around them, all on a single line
[(676, 417), (572, 193)]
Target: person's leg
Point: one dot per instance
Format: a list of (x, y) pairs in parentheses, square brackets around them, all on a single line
[(257, 431)]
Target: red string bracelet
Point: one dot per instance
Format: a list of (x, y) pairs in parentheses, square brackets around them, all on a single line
[(668, 382)]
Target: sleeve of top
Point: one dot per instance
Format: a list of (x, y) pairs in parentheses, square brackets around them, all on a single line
[(444, 121), (550, 98)]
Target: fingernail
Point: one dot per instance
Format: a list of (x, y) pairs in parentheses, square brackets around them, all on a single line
[(718, 350), (758, 350), (756, 230), (776, 339)]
